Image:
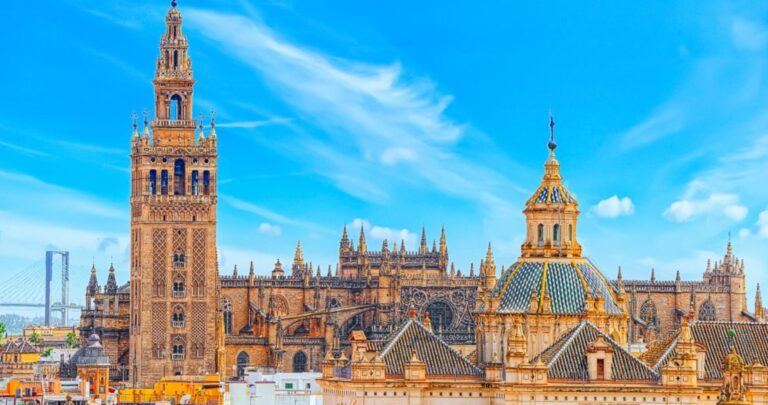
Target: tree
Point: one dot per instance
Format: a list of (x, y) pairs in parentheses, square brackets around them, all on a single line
[(34, 338), (47, 352), (72, 341), (2, 330)]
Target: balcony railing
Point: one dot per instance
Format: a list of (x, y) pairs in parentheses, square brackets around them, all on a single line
[(178, 324), (179, 293), (174, 123), (177, 356)]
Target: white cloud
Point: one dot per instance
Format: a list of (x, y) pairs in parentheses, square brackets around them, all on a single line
[(254, 124), (762, 224), (270, 229), (614, 206), (391, 156), (379, 233), (689, 208), (748, 35), (372, 117), (744, 232)]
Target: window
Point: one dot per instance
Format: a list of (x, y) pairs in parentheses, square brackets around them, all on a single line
[(440, 315), (242, 362), (164, 182), (541, 233), (153, 182), (178, 351), (179, 177), (707, 311), (226, 307), (601, 369), (174, 109), (556, 233), (178, 317), (570, 232), (179, 290), (299, 362), (206, 182), (194, 182), (175, 59)]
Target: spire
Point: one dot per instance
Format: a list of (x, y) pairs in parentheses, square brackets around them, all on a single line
[(653, 274), (620, 281), (298, 258), (423, 246), (677, 276), (489, 262), (213, 125), (384, 246), (277, 271), (552, 145), (93, 283), (344, 242), (362, 247), (135, 125), (443, 243), (434, 246), (111, 286), (234, 272), (759, 309), (471, 269), (329, 271), (402, 246), (145, 133)]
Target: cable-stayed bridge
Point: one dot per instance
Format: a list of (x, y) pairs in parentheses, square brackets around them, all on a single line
[(34, 286)]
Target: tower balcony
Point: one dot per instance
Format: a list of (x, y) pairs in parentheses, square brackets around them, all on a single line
[(158, 123)]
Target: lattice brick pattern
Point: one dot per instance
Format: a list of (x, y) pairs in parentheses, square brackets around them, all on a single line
[(198, 261), (199, 310), (159, 267), (179, 241), (159, 322)]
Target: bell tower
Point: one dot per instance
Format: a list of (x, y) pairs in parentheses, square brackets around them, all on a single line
[(174, 273), (552, 213)]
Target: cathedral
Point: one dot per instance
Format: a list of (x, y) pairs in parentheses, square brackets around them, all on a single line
[(394, 314)]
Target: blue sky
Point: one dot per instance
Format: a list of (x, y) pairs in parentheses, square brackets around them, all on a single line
[(398, 115)]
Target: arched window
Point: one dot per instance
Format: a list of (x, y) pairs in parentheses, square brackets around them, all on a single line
[(541, 233), (194, 182), (164, 182), (175, 59), (299, 362), (556, 233), (179, 289), (570, 232), (153, 182), (226, 306), (174, 110), (242, 362), (648, 313), (440, 315), (179, 177), (178, 350), (707, 311), (177, 318), (206, 182)]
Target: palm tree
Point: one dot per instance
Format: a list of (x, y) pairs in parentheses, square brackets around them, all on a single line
[(71, 340), (34, 338)]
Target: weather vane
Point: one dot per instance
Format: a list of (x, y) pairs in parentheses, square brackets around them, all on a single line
[(552, 145)]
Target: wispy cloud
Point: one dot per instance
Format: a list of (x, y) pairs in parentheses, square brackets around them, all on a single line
[(36, 192), (23, 149), (254, 124), (373, 117), (121, 64), (269, 229), (267, 213), (91, 148), (694, 205), (115, 19)]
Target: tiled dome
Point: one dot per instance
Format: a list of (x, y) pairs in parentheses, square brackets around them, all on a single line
[(566, 285)]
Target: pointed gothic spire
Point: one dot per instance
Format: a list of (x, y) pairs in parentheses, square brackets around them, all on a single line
[(423, 246), (362, 247), (653, 274), (329, 271), (145, 133), (213, 125), (384, 246), (111, 286), (489, 257), (443, 243), (134, 117), (620, 281), (472, 269), (298, 257), (344, 242), (434, 247), (453, 270), (758, 297), (402, 247), (234, 271), (93, 282)]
